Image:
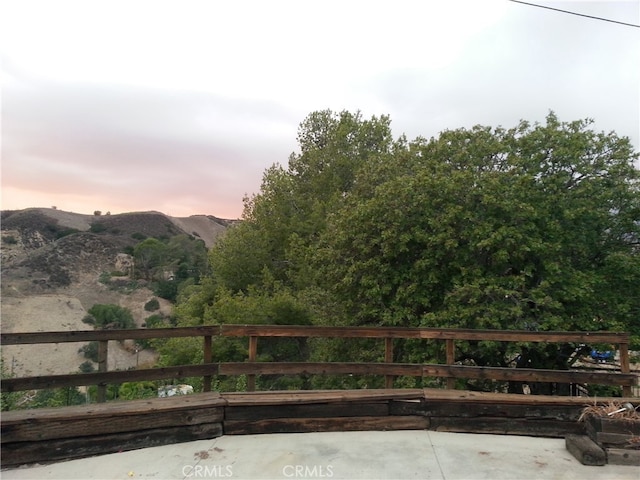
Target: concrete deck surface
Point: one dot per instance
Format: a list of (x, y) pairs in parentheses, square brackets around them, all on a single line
[(339, 455)]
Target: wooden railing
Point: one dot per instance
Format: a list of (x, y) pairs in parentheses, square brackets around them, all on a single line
[(388, 368)]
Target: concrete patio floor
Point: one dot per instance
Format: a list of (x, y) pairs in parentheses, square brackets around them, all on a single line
[(339, 455)]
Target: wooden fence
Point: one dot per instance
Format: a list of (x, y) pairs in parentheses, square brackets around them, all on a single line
[(450, 370)]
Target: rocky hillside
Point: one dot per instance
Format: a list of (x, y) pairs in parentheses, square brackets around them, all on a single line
[(53, 267)]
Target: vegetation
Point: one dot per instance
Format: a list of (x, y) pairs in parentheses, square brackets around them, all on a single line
[(152, 305), (97, 227), (109, 316), (534, 227)]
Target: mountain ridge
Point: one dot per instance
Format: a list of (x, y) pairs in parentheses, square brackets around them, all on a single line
[(53, 269)]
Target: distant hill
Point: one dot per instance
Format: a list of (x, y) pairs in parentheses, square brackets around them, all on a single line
[(52, 263)]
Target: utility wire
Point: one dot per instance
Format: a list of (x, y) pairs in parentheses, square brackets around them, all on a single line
[(576, 13)]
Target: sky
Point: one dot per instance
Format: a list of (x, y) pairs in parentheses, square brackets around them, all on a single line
[(181, 106)]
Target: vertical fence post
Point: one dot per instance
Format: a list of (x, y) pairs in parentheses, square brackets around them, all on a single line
[(388, 358), (208, 357), (103, 350), (625, 367), (253, 350), (451, 359)]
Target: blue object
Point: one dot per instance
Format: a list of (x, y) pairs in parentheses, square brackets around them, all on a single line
[(601, 356)]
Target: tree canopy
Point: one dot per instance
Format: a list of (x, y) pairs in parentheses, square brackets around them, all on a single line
[(532, 227)]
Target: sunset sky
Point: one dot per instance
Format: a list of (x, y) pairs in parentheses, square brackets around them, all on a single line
[(180, 106)]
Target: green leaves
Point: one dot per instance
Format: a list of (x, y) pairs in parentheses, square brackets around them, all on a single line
[(532, 227), (487, 228)]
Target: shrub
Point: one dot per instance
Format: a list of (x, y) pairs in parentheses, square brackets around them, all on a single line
[(155, 321), (65, 232), (112, 316), (105, 278), (167, 289), (152, 305), (9, 240), (87, 367), (90, 351), (97, 227)]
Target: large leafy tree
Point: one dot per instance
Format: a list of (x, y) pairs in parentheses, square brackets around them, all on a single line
[(261, 269), (535, 227), (283, 221)]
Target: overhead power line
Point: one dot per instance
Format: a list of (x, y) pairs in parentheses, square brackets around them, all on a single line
[(576, 13)]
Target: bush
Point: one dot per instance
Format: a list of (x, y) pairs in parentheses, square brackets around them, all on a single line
[(9, 240), (90, 351), (167, 289), (97, 227), (87, 367), (112, 316), (152, 305), (156, 321), (65, 232)]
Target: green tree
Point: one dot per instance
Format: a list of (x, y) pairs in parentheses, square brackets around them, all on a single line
[(529, 228), (149, 256), (282, 223), (534, 227)]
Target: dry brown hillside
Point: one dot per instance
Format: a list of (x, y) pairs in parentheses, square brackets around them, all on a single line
[(51, 264)]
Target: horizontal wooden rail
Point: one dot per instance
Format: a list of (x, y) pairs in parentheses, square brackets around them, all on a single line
[(31, 338), (320, 368), (317, 368), (251, 368), (312, 331), (420, 370), (423, 333), (103, 378), (529, 375)]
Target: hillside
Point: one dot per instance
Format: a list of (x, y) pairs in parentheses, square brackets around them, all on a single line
[(52, 263)]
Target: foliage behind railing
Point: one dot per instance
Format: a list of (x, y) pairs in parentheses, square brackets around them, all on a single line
[(251, 367)]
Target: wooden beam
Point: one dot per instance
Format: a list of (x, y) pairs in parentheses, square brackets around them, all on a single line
[(451, 359), (253, 353), (47, 451), (340, 424), (585, 450), (625, 367), (318, 331), (319, 368), (424, 333), (388, 358), (98, 335), (103, 353), (528, 374), (505, 426), (81, 379), (208, 358)]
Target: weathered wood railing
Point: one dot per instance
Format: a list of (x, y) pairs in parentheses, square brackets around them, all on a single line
[(251, 368)]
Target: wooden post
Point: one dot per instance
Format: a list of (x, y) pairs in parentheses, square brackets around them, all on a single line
[(625, 367), (253, 350), (103, 348), (208, 358), (388, 358), (451, 359)]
